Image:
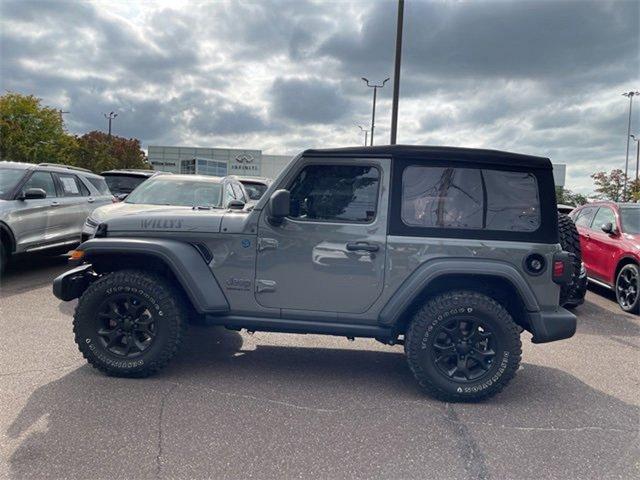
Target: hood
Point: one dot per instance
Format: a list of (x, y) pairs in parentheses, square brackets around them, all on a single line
[(123, 217)]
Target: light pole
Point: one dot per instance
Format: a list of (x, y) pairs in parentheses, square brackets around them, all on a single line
[(366, 133), (629, 94), (396, 74), (637, 140), (375, 93), (110, 117)]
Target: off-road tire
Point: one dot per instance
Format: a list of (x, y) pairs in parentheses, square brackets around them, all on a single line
[(167, 303), (433, 316), (570, 242)]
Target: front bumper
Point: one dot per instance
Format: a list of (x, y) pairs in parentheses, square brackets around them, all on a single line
[(73, 283), (549, 326)]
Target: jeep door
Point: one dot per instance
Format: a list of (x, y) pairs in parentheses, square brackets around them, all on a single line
[(329, 254)]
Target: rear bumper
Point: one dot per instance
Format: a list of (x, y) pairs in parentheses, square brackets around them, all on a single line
[(551, 326), (73, 283)]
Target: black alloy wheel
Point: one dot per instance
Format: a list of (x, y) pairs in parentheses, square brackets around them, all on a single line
[(126, 326), (627, 292), (463, 349)]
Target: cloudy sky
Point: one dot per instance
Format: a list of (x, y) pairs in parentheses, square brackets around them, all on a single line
[(538, 77)]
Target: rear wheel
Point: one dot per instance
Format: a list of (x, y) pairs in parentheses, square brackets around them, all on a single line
[(627, 292), (463, 346), (129, 323)]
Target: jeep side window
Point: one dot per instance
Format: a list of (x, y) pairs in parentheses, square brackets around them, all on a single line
[(341, 193), (468, 198)]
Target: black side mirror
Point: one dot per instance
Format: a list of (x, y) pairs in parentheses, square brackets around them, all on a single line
[(607, 228), (33, 194), (122, 196), (235, 205), (279, 205)]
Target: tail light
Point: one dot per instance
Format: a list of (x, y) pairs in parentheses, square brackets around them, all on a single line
[(562, 271)]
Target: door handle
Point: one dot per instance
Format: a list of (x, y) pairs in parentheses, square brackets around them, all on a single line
[(91, 200), (587, 236), (362, 246), (55, 204)]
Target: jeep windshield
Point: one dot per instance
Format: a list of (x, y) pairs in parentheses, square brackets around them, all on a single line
[(630, 220), (9, 178), (181, 192)]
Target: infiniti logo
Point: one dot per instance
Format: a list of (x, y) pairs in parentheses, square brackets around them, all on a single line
[(244, 158)]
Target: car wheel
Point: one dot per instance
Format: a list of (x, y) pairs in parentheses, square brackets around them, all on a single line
[(129, 323), (570, 242), (463, 346), (627, 292), (4, 257)]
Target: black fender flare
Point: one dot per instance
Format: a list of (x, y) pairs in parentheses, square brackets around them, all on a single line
[(429, 271), (183, 259)]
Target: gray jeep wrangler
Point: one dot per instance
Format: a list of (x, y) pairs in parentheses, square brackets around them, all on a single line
[(451, 252)]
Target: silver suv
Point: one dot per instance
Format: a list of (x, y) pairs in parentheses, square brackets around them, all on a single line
[(44, 206), (451, 252)]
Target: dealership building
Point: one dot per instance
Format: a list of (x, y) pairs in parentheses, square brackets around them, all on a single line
[(216, 161)]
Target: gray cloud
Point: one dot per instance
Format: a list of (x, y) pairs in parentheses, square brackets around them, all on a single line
[(529, 76), (305, 101)]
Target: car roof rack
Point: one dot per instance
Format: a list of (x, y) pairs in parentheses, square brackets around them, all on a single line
[(59, 165)]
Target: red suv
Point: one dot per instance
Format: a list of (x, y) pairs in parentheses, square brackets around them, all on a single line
[(610, 243)]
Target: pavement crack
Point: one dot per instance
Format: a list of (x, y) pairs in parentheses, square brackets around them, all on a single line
[(262, 399), (163, 402), (473, 458)]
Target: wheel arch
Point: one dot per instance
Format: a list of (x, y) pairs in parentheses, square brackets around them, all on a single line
[(500, 281), (181, 262), (626, 260), (7, 237)]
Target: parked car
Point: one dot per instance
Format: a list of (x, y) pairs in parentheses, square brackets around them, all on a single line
[(451, 252), (171, 192), (44, 206), (255, 186), (123, 182), (566, 209), (610, 244)]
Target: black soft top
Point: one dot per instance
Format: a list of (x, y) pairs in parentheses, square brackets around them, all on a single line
[(424, 153)]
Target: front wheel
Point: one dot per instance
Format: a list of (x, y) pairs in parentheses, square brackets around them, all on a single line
[(627, 292), (463, 346), (129, 323)]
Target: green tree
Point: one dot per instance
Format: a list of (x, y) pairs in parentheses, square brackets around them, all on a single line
[(610, 185), (98, 151), (31, 132), (566, 196)]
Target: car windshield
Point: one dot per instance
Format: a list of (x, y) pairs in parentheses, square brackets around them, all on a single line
[(630, 220), (179, 192), (9, 178), (254, 190), (119, 184)]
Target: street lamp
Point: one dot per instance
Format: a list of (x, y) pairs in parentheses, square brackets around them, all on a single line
[(375, 93), (396, 74), (629, 94), (366, 133), (110, 117), (637, 140)]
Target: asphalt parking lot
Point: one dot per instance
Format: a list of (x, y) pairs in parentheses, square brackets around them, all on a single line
[(294, 406)]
